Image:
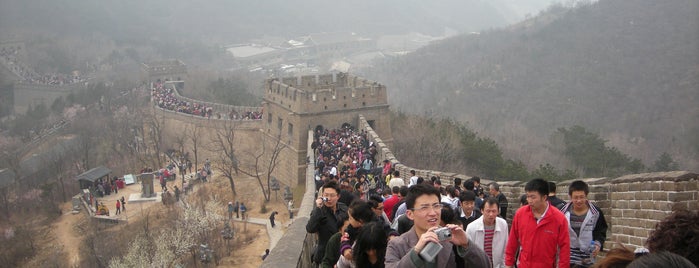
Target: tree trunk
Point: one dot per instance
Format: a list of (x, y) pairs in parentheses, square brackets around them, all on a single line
[(230, 179)]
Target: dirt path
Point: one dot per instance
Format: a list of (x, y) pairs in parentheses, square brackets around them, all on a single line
[(70, 237), (247, 254), (66, 234)]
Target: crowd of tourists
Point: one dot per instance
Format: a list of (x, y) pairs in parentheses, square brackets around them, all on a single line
[(9, 56), (247, 115), (166, 98), (367, 215)]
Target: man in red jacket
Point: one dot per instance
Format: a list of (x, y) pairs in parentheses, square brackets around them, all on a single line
[(539, 230), (391, 202)]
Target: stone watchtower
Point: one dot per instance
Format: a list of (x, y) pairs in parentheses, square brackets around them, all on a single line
[(295, 105), (166, 70)]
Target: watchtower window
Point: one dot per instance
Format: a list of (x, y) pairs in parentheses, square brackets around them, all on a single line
[(280, 123), (291, 130), (345, 105), (363, 103), (269, 118), (326, 107)]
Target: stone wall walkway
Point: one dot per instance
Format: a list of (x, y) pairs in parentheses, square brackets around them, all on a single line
[(274, 234)]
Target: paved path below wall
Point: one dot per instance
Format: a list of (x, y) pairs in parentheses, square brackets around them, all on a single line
[(274, 234)]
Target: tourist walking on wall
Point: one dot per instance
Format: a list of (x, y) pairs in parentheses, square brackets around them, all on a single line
[(502, 200), (118, 207), (271, 218), (237, 209), (539, 231), (587, 226), (243, 209), (230, 210), (425, 210), (468, 213), (490, 232), (163, 183), (123, 203), (290, 206), (553, 199), (324, 217)]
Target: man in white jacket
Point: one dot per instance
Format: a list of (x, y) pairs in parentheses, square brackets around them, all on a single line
[(489, 232)]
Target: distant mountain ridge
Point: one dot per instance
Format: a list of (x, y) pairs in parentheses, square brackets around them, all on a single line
[(626, 69)]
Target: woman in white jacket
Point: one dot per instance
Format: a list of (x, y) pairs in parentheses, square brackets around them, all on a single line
[(489, 232)]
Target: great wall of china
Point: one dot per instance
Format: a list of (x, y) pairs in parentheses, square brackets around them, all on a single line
[(633, 203), (293, 106)]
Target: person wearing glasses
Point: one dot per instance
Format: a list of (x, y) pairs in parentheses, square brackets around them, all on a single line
[(424, 208), (324, 217)]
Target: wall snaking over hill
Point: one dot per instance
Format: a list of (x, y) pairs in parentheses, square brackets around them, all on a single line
[(633, 204)]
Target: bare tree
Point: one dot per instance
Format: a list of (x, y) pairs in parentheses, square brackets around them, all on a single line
[(153, 138), (10, 158), (57, 161), (264, 162), (194, 136), (156, 126), (181, 140), (88, 130), (223, 143), (120, 128)]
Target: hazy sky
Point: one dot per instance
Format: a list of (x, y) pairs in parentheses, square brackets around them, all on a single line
[(233, 20)]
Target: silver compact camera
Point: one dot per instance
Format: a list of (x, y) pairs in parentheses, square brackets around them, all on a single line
[(430, 251), (325, 199), (443, 233)]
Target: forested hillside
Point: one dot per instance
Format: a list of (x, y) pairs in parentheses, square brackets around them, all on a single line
[(628, 70)]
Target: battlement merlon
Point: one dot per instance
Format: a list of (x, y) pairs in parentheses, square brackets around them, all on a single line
[(314, 82), (165, 70)]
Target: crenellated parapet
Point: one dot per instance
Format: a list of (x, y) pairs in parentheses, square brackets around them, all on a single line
[(294, 105), (632, 204), (325, 93), (164, 70)]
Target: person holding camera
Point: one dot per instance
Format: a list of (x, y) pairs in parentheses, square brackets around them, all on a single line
[(427, 244), (324, 217)]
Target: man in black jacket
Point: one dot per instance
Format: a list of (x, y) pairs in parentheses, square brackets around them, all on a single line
[(502, 200), (324, 217), (553, 199), (467, 210)]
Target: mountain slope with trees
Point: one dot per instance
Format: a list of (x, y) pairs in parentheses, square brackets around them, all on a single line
[(628, 70)]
